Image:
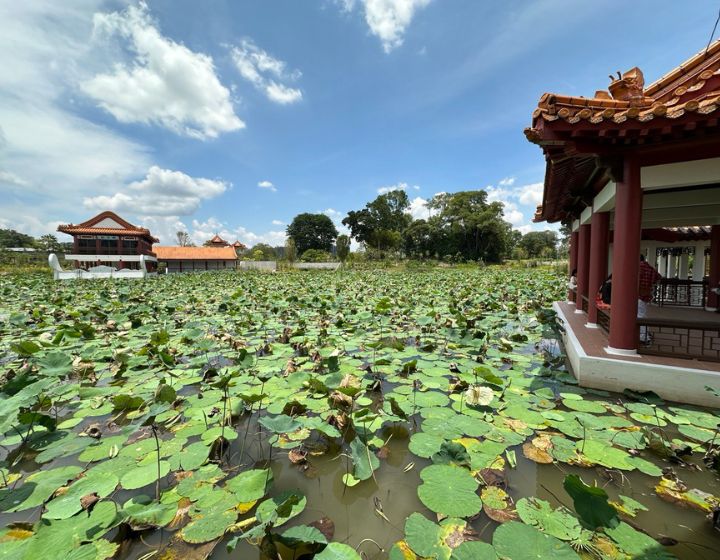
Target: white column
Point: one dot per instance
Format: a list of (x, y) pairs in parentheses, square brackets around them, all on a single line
[(683, 267), (672, 265), (662, 265), (699, 263)]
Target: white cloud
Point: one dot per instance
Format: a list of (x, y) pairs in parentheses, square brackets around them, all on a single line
[(531, 194), (165, 83), (397, 187), (278, 223), (513, 197), (266, 73), (512, 214), (202, 231), (267, 185), (50, 156), (161, 193), (387, 19), (332, 213), (418, 208), (11, 179)]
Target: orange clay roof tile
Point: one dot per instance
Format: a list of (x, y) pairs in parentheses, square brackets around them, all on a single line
[(194, 253)]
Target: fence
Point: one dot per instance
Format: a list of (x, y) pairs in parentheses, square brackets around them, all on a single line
[(686, 293), (266, 266)]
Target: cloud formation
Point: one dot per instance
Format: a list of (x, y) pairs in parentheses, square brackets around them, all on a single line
[(165, 83), (397, 187), (267, 185), (387, 19), (161, 193), (267, 73)]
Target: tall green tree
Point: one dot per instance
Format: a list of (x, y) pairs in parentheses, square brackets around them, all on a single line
[(312, 231), (342, 245), (467, 224), (540, 244), (380, 224), (49, 243)]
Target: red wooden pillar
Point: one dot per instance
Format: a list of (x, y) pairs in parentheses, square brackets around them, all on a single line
[(599, 242), (713, 301), (626, 260), (583, 265), (573, 261)]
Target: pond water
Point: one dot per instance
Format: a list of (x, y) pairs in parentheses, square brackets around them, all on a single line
[(404, 348)]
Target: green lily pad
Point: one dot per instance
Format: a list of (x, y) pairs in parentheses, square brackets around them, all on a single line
[(139, 477), (522, 542), (208, 527), (449, 490), (250, 485)]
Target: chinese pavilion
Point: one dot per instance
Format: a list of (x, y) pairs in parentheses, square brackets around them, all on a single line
[(217, 241), (110, 243), (631, 170)]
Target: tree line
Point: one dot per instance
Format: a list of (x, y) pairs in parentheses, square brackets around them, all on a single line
[(460, 227)]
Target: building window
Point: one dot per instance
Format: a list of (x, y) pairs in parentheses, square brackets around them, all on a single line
[(130, 244)]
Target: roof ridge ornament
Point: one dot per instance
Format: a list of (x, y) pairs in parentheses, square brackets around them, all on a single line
[(628, 87)]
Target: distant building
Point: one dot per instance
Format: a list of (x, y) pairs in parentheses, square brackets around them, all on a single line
[(110, 241), (217, 241), (191, 259), (239, 247)]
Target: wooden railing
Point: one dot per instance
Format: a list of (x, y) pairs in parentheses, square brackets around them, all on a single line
[(680, 339), (585, 304), (687, 293)]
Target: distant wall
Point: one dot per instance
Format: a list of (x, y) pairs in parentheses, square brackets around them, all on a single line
[(267, 266), (176, 266), (317, 266)]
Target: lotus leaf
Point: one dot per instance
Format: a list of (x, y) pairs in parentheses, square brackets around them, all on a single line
[(522, 542), (449, 490)]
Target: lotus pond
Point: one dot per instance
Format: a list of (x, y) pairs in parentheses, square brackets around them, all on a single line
[(334, 416)]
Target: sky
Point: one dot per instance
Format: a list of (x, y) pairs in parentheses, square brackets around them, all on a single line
[(232, 117)]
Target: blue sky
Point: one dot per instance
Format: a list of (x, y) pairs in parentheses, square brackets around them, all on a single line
[(232, 117)]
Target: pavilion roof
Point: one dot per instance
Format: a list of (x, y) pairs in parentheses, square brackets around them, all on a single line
[(195, 253), (217, 240), (239, 245), (107, 223), (574, 132)]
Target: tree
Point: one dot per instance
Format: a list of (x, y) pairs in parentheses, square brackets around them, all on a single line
[(183, 239), (49, 243), (316, 256), (12, 238), (342, 245), (419, 240), (381, 223), (262, 252), (312, 231), (290, 250), (540, 244), (466, 224)]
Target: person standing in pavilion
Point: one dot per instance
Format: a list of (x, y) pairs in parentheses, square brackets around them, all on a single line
[(648, 277)]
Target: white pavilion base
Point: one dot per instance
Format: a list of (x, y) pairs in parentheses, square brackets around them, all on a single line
[(595, 368), (98, 272)]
